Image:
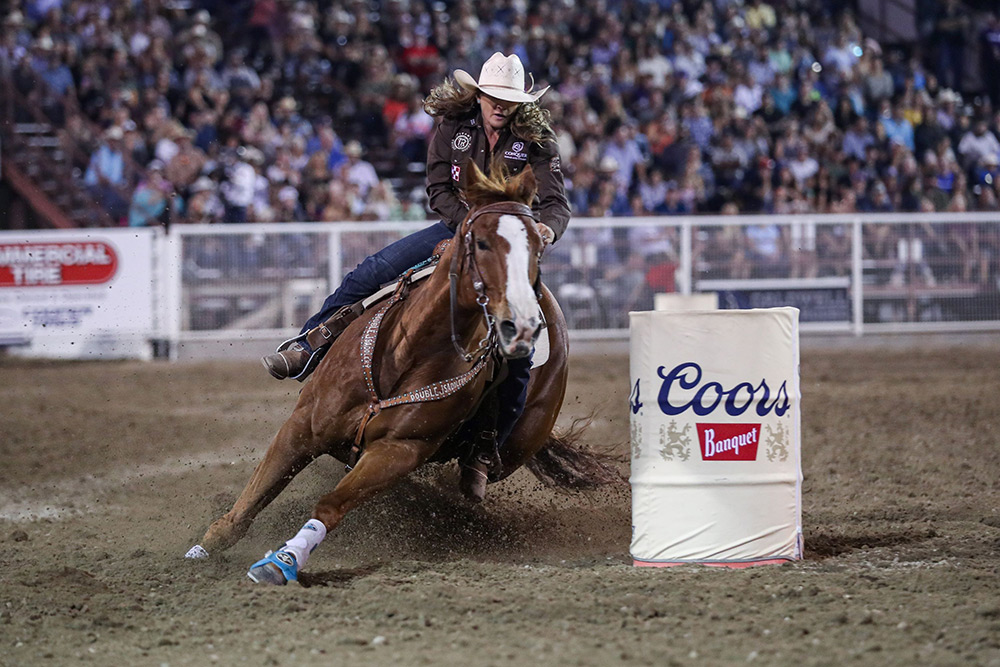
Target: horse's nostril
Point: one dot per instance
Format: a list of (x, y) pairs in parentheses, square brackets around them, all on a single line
[(508, 330)]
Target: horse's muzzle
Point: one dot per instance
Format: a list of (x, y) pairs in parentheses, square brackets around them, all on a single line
[(517, 339)]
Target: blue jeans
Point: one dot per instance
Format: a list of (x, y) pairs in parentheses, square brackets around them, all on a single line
[(388, 264)]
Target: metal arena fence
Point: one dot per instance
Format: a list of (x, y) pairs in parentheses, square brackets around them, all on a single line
[(846, 273)]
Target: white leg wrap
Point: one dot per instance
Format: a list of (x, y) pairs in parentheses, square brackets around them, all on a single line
[(196, 552), (307, 539)]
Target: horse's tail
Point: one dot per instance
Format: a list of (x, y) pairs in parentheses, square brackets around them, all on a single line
[(564, 463)]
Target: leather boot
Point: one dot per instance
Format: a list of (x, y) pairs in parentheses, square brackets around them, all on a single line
[(290, 362), (475, 475)]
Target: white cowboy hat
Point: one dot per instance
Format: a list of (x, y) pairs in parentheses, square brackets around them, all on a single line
[(502, 77)]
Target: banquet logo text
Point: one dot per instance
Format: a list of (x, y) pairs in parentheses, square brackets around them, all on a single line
[(48, 264), (729, 442), (688, 376)]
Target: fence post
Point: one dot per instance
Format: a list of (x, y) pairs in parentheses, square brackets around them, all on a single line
[(857, 278), (687, 260), (336, 269), (171, 277)]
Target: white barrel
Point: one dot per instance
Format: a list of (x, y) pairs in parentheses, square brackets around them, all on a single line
[(716, 437)]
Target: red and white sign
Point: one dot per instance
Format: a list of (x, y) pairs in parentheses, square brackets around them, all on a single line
[(728, 442), (49, 264), (80, 293)]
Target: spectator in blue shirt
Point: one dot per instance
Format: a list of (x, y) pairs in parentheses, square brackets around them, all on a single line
[(54, 71), (626, 153), (897, 128), (857, 139), (105, 173)]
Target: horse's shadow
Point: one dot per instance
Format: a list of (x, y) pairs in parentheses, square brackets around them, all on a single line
[(336, 578), (824, 545)]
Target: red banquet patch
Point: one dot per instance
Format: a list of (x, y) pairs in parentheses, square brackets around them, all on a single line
[(729, 442), (48, 264)]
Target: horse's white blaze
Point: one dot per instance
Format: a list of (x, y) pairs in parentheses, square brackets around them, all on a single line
[(520, 295)]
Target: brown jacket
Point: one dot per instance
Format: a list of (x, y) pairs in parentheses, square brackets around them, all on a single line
[(455, 142)]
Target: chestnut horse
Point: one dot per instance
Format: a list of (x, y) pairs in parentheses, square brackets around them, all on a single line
[(431, 348)]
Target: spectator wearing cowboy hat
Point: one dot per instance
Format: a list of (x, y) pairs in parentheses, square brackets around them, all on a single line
[(358, 172), (493, 118), (106, 173)]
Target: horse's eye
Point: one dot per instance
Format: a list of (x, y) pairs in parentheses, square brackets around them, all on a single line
[(482, 245)]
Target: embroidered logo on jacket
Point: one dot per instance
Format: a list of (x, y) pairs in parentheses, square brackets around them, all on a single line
[(456, 172), (554, 164), (514, 155), (462, 141)]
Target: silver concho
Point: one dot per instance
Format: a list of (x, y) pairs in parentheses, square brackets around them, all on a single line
[(462, 141)]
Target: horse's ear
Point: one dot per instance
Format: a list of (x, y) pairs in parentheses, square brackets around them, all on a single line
[(525, 185)]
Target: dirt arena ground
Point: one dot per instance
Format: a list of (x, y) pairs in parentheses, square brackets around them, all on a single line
[(110, 471)]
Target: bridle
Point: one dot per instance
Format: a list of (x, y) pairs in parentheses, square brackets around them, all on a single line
[(478, 284)]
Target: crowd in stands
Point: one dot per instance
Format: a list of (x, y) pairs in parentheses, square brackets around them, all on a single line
[(282, 110)]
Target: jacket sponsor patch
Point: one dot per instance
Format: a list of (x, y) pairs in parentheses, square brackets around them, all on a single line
[(555, 164), (514, 155), (461, 142), (456, 172)]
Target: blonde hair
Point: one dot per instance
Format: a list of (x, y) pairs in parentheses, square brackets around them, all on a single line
[(449, 100)]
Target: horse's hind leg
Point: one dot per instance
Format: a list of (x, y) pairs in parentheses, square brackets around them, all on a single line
[(291, 450)]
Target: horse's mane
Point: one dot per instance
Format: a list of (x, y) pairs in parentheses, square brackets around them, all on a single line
[(499, 186)]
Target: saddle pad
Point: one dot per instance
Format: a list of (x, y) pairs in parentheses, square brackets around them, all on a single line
[(541, 354), (389, 288)]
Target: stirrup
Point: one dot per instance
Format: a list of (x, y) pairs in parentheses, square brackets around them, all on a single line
[(276, 568), (314, 358)]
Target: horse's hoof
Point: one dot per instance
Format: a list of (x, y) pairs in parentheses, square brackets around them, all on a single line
[(196, 552), (276, 568)]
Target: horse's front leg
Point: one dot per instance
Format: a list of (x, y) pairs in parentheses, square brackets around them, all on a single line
[(384, 463), (291, 450)]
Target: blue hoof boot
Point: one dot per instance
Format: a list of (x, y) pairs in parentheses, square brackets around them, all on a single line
[(276, 568)]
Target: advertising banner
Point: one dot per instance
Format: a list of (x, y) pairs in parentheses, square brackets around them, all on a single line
[(830, 304), (77, 294), (715, 437)]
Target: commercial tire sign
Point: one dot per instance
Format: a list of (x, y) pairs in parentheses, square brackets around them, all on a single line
[(53, 264), (77, 294)]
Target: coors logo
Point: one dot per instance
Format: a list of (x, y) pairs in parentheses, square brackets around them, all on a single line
[(687, 377), (729, 442)]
